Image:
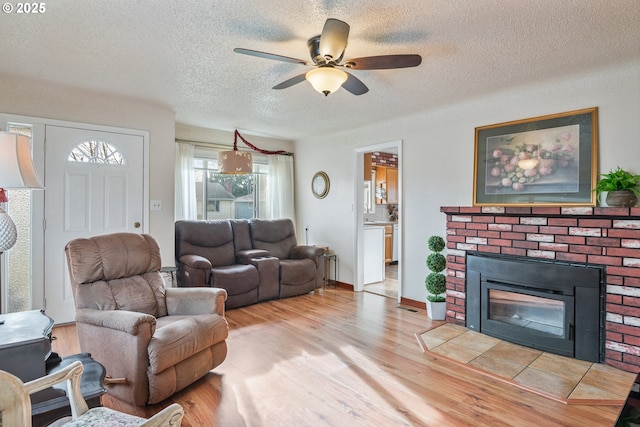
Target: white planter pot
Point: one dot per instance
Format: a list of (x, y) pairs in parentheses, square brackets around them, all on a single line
[(436, 310)]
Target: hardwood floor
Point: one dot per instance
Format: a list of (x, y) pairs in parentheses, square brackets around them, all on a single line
[(339, 358), (389, 286)]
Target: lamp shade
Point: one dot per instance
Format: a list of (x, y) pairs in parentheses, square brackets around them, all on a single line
[(235, 162), (326, 79), (16, 171), (16, 166)]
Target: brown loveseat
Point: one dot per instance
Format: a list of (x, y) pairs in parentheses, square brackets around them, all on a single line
[(253, 260), (157, 340)]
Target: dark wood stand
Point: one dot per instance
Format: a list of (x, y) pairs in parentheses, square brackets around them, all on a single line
[(25, 351), (630, 413)]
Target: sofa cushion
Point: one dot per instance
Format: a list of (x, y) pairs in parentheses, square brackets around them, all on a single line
[(134, 294), (180, 337), (98, 265), (274, 235), (210, 239), (112, 256), (241, 234), (235, 279), (297, 271)]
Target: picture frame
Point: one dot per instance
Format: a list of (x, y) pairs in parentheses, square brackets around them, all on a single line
[(541, 161)]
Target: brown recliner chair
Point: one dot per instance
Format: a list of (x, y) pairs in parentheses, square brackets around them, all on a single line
[(301, 266), (152, 340)]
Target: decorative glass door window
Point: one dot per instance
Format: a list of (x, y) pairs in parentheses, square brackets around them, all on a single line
[(95, 151)]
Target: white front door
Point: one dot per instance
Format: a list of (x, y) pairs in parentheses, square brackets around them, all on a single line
[(94, 185)]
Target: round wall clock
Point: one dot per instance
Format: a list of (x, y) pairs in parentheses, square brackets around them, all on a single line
[(320, 185)]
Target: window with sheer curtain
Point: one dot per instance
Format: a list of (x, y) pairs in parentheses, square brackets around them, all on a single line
[(203, 193)]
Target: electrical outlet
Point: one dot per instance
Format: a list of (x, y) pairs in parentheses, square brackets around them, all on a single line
[(156, 205)]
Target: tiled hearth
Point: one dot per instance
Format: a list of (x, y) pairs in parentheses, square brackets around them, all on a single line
[(568, 380), (602, 236)]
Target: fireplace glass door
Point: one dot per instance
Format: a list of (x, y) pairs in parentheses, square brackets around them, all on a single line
[(534, 318), (527, 311)]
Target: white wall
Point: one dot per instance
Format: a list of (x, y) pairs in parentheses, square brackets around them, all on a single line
[(214, 136), (49, 101), (438, 151)]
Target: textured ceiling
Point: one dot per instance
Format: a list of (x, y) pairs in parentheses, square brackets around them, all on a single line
[(180, 53)]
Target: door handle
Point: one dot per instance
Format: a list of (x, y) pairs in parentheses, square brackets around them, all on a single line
[(136, 224)]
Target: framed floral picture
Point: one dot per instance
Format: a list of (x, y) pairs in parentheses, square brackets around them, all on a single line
[(542, 161)]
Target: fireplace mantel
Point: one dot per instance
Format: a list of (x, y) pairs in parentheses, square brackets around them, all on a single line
[(590, 235)]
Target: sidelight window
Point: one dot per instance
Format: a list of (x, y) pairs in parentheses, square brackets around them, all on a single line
[(17, 295)]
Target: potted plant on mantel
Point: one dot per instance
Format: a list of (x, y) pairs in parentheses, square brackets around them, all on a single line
[(621, 188), (436, 282)]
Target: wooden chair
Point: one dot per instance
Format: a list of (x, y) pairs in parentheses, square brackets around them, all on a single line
[(15, 403)]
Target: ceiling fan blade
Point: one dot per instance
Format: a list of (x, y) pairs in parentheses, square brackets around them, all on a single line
[(290, 82), (269, 56), (383, 62), (355, 85), (333, 40)]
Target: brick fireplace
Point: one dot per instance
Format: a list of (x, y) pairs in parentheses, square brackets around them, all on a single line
[(602, 236)]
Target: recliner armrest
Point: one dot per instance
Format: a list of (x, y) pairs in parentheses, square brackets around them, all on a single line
[(304, 251), (195, 261), (120, 320), (181, 301), (245, 256)]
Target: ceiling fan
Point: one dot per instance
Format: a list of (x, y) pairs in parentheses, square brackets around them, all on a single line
[(327, 51)]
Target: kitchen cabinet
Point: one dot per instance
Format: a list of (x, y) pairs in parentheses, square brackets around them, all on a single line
[(381, 185), (386, 185), (367, 167), (394, 252), (392, 185), (388, 243), (373, 253)]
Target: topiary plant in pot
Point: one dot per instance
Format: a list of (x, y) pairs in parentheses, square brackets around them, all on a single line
[(621, 188), (436, 281)]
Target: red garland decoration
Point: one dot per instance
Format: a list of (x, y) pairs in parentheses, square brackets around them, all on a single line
[(236, 134), (3, 196)]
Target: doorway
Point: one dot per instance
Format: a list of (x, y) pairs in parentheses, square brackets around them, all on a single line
[(95, 185), (41, 281), (379, 220)]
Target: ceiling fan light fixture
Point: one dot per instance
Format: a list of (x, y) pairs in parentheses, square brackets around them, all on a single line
[(326, 80)]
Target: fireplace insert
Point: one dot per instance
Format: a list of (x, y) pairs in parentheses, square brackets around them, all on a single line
[(551, 306)]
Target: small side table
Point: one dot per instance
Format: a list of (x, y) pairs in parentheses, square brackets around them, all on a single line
[(25, 351), (47, 408), (629, 413), (170, 272), (328, 258)]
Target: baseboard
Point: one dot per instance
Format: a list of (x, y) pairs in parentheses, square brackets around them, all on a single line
[(403, 301), (413, 303)]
